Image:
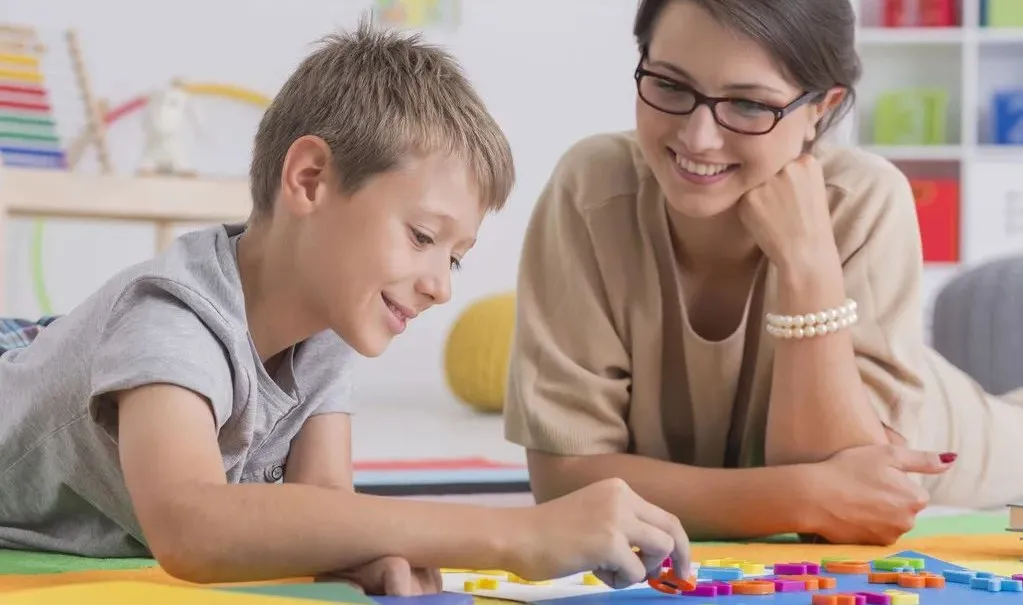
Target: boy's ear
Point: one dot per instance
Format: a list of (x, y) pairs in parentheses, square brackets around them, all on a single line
[(305, 175)]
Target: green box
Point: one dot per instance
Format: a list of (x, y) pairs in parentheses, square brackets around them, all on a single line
[(1005, 13), (916, 116)]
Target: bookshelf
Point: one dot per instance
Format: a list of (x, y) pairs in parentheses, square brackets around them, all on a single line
[(969, 61)]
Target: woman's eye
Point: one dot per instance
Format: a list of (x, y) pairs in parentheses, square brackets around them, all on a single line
[(455, 264)]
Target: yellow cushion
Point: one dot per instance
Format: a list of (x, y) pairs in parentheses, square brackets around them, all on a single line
[(477, 352)]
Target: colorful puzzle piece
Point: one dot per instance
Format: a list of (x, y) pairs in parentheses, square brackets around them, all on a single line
[(907, 578)]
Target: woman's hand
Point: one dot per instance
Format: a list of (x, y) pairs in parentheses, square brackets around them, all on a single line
[(389, 576), (788, 215), (864, 495)]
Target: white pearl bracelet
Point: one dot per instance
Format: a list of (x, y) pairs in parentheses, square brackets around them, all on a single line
[(809, 325)]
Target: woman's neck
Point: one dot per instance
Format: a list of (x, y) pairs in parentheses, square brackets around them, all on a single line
[(712, 244)]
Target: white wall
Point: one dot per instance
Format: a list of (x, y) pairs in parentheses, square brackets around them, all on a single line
[(547, 86), (552, 71)]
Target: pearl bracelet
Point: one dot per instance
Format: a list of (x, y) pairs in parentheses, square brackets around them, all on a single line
[(809, 325)]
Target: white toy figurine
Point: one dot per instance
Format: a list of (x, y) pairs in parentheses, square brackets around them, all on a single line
[(163, 151)]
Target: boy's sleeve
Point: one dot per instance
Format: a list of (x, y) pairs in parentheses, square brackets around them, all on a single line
[(568, 380), (879, 238), (152, 336)]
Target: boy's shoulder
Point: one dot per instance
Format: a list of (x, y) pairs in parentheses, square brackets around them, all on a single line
[(198, 273)]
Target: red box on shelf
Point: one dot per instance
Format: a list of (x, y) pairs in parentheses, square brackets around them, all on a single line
[(919, 13), (937, 210)]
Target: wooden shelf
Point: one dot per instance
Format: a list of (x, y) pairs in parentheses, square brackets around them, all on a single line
[(884, 36), (54, 194)]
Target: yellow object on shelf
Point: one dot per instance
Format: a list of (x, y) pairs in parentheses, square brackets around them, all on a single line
[(477, 352)]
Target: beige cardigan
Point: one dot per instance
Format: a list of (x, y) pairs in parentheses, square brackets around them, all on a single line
[(604, 359)]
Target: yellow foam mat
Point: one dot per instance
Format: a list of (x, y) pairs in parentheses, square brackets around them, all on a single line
[(134, 593)]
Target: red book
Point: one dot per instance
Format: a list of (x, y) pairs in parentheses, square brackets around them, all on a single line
[(937, 209), (937, 13), (894, 13)]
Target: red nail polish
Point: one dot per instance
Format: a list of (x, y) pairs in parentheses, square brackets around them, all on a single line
[(948, 457)]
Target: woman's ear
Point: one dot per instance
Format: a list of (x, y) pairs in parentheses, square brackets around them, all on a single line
[(822, 107)]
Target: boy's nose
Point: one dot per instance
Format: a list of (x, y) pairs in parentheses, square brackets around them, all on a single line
[(436, 287)]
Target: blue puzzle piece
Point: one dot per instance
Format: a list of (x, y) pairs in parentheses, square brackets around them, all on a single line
[(719, 573)]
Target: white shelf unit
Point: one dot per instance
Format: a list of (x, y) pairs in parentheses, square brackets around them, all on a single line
[(970, 62)]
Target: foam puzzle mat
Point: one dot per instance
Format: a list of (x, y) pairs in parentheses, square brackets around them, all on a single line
[(903, 578), (975, 542)]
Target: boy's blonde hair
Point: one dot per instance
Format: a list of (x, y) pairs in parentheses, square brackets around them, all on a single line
[(377, 97)]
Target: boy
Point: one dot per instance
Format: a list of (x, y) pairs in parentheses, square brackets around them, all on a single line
[(151, 419)]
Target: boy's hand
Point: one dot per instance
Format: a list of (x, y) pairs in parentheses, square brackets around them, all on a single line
[(596, 528), (389, 576)]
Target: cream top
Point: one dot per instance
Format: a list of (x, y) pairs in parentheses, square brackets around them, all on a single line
[(604, 359)]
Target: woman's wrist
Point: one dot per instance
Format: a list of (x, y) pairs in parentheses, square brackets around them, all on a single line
[(810, 282)]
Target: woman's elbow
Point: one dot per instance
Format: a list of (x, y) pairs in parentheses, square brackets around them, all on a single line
[(552, 476)]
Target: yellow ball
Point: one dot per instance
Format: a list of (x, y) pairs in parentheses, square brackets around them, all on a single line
[(477, 352)]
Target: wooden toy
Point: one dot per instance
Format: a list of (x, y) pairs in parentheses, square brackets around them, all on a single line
[(1007, 116), (911, 117), (937, 208), (1003, 13), (28, 131), (93, 111)]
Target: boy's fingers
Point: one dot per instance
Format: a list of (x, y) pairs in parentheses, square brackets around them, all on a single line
[(623, 569), (653, 544), (672, 527)]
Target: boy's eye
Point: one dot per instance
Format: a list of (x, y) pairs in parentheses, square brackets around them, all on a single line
[(421, 238), (456, 264)]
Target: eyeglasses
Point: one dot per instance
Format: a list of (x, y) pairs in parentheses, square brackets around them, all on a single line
[(738, 115)]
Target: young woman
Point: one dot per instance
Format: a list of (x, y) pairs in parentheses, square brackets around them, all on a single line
[(724, 311)]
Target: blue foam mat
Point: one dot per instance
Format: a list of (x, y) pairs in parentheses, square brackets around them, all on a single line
[(952, 594), (444, 598)]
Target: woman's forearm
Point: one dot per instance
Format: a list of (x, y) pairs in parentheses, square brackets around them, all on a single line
[(711, 503), (818, 403)]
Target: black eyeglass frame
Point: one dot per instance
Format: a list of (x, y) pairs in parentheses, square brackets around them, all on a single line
[(712, 102)]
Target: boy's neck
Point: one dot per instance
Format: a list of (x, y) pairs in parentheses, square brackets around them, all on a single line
[(274, 313)]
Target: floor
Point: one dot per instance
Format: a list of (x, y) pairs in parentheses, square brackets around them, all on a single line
[(408, 433), (395, 432)]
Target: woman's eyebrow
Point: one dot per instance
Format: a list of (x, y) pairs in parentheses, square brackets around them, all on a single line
[(745, 86)]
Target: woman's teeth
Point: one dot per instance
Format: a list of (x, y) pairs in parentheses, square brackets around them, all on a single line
[(701, 169)]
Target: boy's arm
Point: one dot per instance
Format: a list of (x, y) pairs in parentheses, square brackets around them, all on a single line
[(713, 503), (322, 452), (201, 529)]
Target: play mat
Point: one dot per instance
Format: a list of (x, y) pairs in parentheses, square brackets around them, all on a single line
[(938, 545)]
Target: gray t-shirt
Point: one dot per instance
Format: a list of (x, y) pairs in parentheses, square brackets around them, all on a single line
[(179, 319)]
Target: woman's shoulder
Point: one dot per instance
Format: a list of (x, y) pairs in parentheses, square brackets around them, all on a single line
[(871, 200), (601, 167), (854, 172)]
